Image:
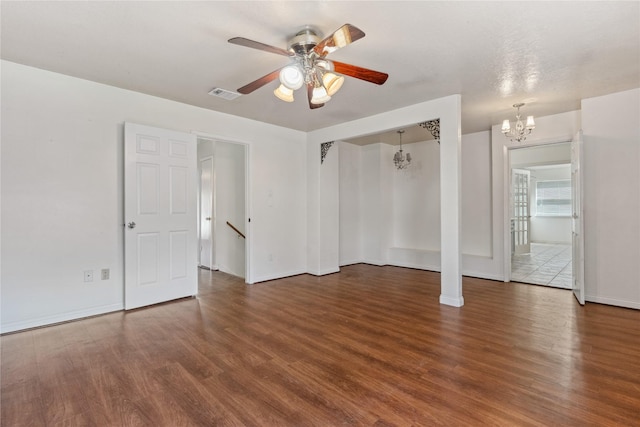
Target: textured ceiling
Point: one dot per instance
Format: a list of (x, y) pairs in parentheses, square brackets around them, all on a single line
[(547, 54)]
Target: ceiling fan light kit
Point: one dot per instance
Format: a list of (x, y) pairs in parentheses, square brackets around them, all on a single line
[(320, 95), (322, 77), (284, 93), (291, 77)]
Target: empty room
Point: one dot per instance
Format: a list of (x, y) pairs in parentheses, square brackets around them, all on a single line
[(320, 213)]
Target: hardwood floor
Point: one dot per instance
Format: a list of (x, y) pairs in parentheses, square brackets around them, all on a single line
[(367, 346)]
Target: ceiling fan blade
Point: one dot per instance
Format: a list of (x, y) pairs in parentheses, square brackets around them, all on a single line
[(241, 41), (360, 73), (257, 84), (310, 95), (343, 36)]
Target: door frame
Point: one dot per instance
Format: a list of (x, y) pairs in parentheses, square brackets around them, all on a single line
[(248, 252), (211, 263), (506, 194)]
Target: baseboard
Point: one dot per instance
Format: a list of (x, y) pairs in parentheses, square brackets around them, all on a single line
[(452, 301), (324, 272), (351, 262), (479, 275), (266, 278), (426, 267), (59, 318), (612, 301)]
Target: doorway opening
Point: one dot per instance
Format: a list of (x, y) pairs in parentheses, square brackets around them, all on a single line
[(541, 215), (222, 214)]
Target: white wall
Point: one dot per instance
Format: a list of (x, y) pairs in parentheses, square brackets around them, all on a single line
[(611, 127), (376, 203), (548, 154), (549, 229), (476, 199), (350, 185), (414, 239), (416, 198), (229, 193), (205, 149), (62, 207), (329, 223)]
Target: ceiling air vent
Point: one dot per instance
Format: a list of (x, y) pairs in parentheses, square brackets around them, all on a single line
[(223, 93)]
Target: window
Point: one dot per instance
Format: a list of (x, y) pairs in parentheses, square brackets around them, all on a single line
[(553, 198)]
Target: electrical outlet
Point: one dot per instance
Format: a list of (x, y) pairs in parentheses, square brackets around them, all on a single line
[(104, 274), (88, 275)]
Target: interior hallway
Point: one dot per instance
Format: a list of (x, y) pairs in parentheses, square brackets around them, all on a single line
[(547, 264)]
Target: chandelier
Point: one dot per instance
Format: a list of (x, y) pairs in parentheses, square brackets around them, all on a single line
[(521, 130), (399, 158)]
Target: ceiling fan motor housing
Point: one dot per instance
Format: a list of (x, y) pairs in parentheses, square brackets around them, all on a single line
[(304, 41)]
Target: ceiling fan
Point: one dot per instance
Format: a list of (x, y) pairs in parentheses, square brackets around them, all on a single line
[(310, 67)]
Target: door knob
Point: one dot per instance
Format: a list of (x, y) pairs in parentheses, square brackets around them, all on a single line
[(131, 225), (208, 218)]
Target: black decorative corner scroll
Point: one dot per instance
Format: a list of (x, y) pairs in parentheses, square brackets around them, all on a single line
[(324, 149), (432, 126)]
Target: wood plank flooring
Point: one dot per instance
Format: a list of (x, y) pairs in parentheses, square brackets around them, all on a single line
[(367, 346)]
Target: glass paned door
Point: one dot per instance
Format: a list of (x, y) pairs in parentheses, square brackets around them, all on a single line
[(520, 212)]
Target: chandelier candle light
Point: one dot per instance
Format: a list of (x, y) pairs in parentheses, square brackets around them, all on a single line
[(521, 130), (399, 158)]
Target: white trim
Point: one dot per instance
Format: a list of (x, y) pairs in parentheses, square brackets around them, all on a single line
[(248, 275), (268, 277), (613, 302), (454, 302), (481, 275), (59, 318), (325, 272), (213, 204), (351, 262), (506, 189)]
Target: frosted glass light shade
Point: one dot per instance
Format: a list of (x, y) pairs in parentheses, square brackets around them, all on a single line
[(506, 127), (320, 95), (332, 82), (291, 77), (325, 64), (284, 93)]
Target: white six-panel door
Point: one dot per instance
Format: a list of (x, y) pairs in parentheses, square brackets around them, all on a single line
[(160, 212)]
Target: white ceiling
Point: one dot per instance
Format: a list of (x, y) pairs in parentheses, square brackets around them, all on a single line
[(547, 54)]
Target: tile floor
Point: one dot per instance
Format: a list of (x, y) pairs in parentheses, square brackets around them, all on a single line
[(547, 264)]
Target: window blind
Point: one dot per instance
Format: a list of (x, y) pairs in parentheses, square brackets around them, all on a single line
[(553, 198)]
